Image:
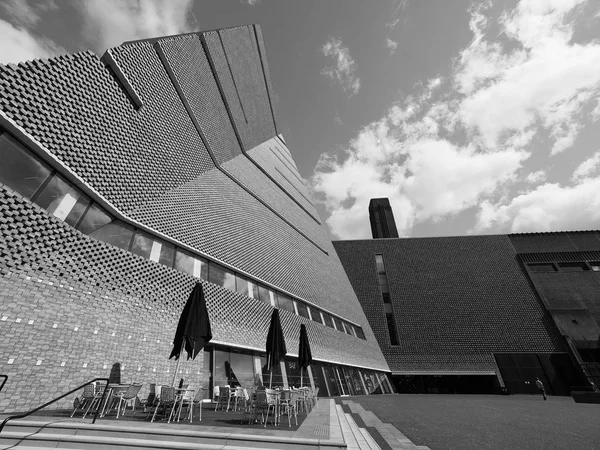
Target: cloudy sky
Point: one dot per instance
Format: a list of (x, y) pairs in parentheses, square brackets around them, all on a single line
[(471, 117)]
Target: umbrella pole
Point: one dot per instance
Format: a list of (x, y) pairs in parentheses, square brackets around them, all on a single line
[(301, 373), (178, 361)]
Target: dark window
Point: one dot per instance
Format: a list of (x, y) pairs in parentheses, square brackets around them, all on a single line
[(265, 294), (360, 333), (314, 314), (542, 267), (219, 275), (302, 309), (142, 245), (392, 328), (62, 200), (595, 266), (573, 267), (383, 282), (386, 297), (19, 170), (94, 219), (114, 234), (379, 263), (336, 323), (285, 302), (327, 318), (167, 252), (241, 284)]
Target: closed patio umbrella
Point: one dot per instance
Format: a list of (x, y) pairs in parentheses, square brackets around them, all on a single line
[(304, 353), (275, 344), (193, 330)]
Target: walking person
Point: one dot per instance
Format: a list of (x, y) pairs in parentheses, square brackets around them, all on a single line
[(540, 386)]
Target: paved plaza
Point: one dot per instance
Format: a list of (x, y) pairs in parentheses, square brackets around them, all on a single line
[(481, 422)]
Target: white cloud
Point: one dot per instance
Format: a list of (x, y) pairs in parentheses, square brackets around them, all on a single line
[(547, 80), (460, 142), (399, 6), (536, 177), (587, 167), (549, 207), (108, 23), (391, 45), (19, 41), (344, 68), (18, 44)]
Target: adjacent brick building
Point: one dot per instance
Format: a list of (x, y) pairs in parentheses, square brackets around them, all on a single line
[(126, 179), (481, 313)]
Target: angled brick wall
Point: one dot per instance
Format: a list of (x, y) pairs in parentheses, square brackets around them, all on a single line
[(112, 306), (456, 301), (75, 108)]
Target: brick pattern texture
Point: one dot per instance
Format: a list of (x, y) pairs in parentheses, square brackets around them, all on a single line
[(456, 301), (112, 306), (100, 304)]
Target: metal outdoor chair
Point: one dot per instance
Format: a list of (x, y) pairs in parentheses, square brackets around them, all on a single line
[(129, 395), (165, 401), (224, 397), (240, 397), (258, 403), (91, 396), (288, 404), (272, 403), (192, 401)]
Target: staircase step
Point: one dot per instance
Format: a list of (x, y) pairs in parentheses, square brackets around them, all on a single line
[(76, 435)]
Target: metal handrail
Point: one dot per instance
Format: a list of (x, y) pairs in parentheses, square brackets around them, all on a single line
[(4, 382), (22, 415)]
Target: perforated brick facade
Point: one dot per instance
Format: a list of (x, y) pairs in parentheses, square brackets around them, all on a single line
[(456, 301), (72, 305)]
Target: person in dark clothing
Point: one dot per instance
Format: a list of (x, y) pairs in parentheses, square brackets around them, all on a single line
[(540, 386)]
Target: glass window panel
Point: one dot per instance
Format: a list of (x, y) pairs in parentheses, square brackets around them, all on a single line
[(379, 263), (277, 377), (115, 234), (253, 289), (332, 380), (219, 275), (572, 267), (302, 309), (384, 385), (167, 252), (354, 381), (58, 197), (241, 284), (383, 282), (264, 294), (239, 369), (328, 320), (595, 266), (77, 210), (391, 323), (336, 323), (142, 245), (342, 380), (296, 378), (220, 372), (206, 373), (20, 170), (94, 219), (319, 379), (360, 333), (544, 267), (184, 262), (285, 302)]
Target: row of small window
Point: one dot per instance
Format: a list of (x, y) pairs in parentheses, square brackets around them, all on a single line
[(579, 266), (387, 301), (24, 173)]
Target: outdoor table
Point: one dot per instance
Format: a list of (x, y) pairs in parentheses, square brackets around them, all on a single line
[(112, 388)]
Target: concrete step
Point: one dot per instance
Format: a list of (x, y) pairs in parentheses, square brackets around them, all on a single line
[(73, 434)]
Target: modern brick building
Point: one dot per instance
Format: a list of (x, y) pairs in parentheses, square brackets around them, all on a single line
[(481, 313), (126, 179)]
